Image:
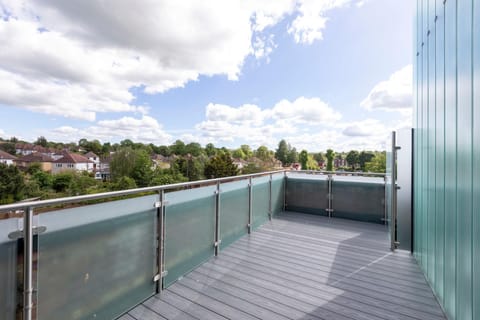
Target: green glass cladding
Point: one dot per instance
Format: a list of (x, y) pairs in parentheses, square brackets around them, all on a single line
[(96, 261), (447, 152)]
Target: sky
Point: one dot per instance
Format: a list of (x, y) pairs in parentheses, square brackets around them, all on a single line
[(318, 73)]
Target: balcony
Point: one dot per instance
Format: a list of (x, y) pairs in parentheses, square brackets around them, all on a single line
[(270, 246)]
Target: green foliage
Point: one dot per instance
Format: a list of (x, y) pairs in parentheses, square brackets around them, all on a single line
[(124, 183), (353, 159), (189, 167), (194, 149), (12, 184), (292, 156), (239, 154), (330, 156), (8, 147), (167, 176), (363, 158), (135, 164), (220, 166), (62, 181), (263, 153), (303, 158), (43, 179), (282, 152), (318, 157), (178, 148), (247, 151), (312, 164), (41, 141), (210, 150), (252, 168), (377, 164), (34, 168)]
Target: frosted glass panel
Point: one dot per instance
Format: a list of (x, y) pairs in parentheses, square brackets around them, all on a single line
[(97, 261), (189, 230), (307, 193), (8, 268), (233, 211), (359, 200), (260, 202), (278, 184)]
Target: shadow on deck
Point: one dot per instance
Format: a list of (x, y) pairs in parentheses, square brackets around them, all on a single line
[(301, 266)]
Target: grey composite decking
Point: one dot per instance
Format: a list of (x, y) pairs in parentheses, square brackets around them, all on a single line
[(301, 266)]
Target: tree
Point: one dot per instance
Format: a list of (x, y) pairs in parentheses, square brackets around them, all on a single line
[(62, 181), (262, 153), (247, 151), (303, 158), (135, 164), (194, 149), (363, 158), (41, 141), (292, 156), (124, 183), (352, 159), (220, 166), (377, 164), (282, 152), (210, 150), (178, 148), (8, 147), (330, 156), (12, 184), (239, 154), (318, 157), (312, 164), (189, 167), (164, 151)]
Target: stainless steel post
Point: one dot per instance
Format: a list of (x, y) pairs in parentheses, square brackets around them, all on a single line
[(330, 195), (217, 219), (393, 222), (270, 198), (250, 209), (28, 263), (284, 190), (161, 240)]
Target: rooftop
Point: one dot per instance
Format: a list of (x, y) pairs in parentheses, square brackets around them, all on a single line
[(301, 266)]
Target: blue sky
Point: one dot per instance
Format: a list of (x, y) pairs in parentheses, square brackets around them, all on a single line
[(320, 74)]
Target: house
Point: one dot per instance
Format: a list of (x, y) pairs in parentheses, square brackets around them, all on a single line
[(27, 160), (72, 162), (160, 161), (95, 159), (6, 158), (240, 163)]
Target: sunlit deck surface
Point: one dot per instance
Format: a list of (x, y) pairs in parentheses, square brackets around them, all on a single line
[(301, 266)]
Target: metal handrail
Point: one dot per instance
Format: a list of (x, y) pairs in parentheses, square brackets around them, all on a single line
[(353, 173), (96, 196)]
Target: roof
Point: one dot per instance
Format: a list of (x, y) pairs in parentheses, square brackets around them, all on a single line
[(90, 154), (6, 156), (72, 158), (35, 157)]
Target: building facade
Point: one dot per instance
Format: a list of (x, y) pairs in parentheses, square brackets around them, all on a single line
[(447, 152)]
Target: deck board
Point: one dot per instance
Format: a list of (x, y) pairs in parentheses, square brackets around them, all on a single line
[(301, 266)]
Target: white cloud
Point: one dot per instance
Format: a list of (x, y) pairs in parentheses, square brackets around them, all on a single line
[(312, 18), (305, 110), (365, 128), (145, 129), (394, 94), (77, 58), (247, 113), (259, 126)]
